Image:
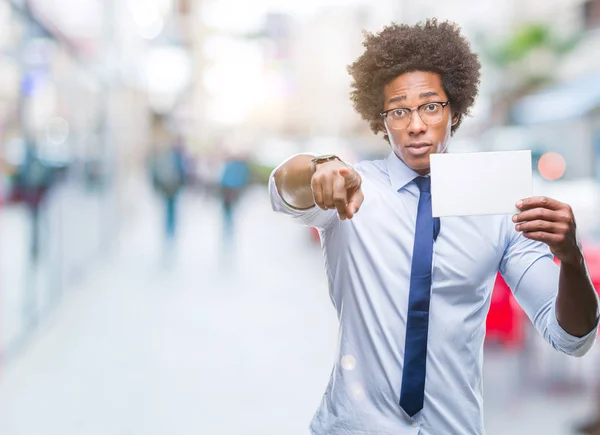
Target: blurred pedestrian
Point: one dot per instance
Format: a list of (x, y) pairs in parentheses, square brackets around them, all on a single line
[(234, 180), (32, 181), (412, 291), (169, 177)]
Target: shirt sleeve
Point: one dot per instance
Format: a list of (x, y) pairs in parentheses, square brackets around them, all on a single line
[(529, 269), (312, 217)]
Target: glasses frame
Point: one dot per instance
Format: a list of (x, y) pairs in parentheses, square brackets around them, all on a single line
[(384, 114)]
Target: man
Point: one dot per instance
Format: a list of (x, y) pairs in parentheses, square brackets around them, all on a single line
[(412, 292)]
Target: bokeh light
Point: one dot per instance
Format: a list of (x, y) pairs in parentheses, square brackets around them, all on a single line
[(552, 166), (357, 390), (348, 362)]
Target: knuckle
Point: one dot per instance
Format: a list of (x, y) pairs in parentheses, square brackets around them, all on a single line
[(570, 222), (540, 225), (544, 200)]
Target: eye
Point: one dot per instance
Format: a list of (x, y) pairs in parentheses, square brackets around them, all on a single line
[(432, 107), (399, 113)]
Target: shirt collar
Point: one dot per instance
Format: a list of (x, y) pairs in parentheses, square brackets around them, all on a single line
[(400, 174)]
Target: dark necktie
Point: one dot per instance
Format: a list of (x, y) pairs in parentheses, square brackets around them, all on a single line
[(415, 350)]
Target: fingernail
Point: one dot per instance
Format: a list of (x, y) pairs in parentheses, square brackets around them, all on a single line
[(519, 204), (518, 227), (515, 217)]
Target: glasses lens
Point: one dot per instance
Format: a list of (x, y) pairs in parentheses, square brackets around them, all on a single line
[(398, 118), (431, 113)]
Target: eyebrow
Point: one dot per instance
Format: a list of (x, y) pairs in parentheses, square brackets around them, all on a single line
[(422, 95)]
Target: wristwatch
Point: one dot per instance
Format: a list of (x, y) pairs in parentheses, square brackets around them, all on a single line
[(322, 159)]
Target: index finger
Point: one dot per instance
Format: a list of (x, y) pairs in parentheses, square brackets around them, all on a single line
[(539, 201), (339, 196), (354, 204)]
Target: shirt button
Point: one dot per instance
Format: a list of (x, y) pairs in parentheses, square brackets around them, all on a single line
[(414, 424)]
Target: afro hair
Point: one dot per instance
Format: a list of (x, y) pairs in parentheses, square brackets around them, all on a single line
[(400, 48)]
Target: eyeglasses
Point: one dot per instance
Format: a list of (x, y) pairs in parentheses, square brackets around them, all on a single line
[(430, 113)]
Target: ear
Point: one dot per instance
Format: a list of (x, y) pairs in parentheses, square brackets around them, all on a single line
[(455, 119)]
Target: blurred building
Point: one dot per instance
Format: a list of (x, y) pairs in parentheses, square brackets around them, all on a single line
[(81, 83), (563, 116)]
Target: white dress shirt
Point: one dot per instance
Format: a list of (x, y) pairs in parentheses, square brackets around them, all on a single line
[(368, 263)]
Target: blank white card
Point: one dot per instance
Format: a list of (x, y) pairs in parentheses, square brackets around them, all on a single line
[(485, 183)]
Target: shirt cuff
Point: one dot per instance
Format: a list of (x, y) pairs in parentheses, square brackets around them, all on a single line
[(570, 344), (313, 216)]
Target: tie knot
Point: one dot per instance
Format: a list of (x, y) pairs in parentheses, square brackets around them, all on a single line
[(424, 184)]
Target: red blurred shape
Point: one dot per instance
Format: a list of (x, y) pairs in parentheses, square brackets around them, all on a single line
[(506, 320)]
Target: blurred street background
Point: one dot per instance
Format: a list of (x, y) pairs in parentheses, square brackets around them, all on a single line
[(146, 287)]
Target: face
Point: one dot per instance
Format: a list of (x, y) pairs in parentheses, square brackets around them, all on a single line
[(415, 143)]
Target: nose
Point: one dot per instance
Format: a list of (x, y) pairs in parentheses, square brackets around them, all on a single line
[(416, 125)]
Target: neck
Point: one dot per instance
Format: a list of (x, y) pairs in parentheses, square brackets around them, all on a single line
[(421, 172)]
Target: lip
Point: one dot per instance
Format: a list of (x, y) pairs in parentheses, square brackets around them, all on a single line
[(418, 145), (418, 149)]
